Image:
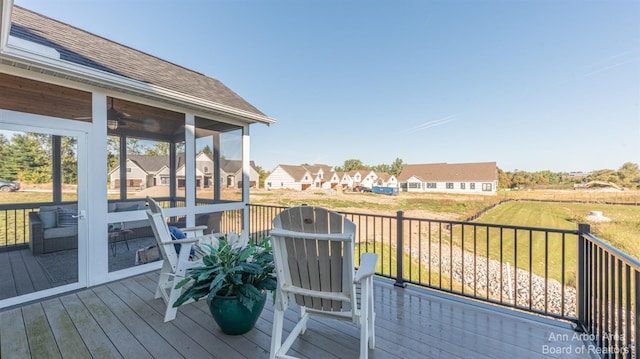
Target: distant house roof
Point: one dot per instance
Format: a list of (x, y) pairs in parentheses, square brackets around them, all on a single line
[(295, 171), (82, 48), (315, 169), (439, 172), (233, 166), (385, 176), (149, 164)]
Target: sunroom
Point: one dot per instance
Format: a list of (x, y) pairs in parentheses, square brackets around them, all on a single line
[(78, 114)]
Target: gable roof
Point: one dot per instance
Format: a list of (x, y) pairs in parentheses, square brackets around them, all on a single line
[(148, 163), (440, 172), (233, 166), (296, 172), (315, 169), (385, 176), (143, 71)]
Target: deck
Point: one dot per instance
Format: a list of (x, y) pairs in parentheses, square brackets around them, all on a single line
[(123, 320)]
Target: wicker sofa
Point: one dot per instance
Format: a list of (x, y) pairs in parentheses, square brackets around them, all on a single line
[(53, 228)]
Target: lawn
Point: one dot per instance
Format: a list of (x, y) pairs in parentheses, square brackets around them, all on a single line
[(623, 231)]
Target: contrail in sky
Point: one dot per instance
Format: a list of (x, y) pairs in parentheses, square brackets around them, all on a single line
[(434, 123)]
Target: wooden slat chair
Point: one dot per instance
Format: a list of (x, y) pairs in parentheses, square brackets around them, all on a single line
[(196, 231), (175, 265), (313, 251)]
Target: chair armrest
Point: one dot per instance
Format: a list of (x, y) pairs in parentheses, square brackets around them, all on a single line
[(367, 267), (178, 241), (197, 230), (36, 227)]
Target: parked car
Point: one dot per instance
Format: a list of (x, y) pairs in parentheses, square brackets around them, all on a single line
[(6, 186), (361, 189)]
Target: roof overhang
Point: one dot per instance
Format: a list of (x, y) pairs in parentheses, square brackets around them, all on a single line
[(23, 54)]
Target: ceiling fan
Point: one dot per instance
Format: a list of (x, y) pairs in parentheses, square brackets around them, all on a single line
[(117, 118)]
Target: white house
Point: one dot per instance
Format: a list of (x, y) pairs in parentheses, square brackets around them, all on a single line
[(456, 178), (301, 177), (384, 179)]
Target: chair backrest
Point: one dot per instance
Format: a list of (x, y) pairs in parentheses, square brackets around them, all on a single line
[(163, 237), (313, 251), (154, 206)]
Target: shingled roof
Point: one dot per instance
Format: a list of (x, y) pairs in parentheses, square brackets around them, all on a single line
[(454, 172), (80, 47)]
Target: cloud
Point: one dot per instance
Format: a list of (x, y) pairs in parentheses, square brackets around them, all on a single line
[(609, 63), (434, 123)]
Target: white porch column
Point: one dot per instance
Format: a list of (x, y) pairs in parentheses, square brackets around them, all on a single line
[(190, 168), (246, 172), (98, 247)]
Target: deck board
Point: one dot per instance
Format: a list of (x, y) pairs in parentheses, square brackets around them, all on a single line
[(123, 320)]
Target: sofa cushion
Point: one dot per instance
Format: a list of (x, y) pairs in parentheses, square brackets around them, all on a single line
[(49, 219), (67, 217), (59, 232)]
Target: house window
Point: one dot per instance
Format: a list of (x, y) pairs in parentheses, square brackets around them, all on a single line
[(205, 169), (472, 185), (413, 185), (164, 181), (462, 185), (128, 169), (486, 187), (269, 184), (449, 185), (431, 185)]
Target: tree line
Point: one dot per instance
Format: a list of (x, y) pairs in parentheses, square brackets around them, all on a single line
[(27, 157)]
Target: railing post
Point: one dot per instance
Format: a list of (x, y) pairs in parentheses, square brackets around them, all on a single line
[(582, 288), (399, 251)]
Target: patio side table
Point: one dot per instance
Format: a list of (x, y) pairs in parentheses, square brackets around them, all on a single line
[(119, 235)]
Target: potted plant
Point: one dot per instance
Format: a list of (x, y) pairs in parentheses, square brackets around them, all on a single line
[(235, 277)]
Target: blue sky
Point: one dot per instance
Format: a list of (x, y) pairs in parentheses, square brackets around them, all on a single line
[(532, 85)]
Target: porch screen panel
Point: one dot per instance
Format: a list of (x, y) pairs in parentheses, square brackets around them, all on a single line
[(218, 162)]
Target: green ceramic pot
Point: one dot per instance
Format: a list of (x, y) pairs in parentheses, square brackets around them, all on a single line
[(232, 317)]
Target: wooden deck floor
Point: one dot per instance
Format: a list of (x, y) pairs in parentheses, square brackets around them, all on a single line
[(123, 320)]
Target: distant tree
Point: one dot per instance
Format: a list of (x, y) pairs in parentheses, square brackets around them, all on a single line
[(206, 150), (381, 168), (158, 149), (113, 152), (69, 159), (605, 175), (396, 167), (263, 175), (30, 158), (504, 180), (629, 175), (351, 165), (4, 155), (134, 146)]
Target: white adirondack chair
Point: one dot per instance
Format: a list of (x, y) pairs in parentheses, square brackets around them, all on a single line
[(174, 264), (196, 231), (313, 251)]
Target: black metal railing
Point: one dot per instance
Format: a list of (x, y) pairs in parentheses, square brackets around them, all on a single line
[(564, 274), (14, 224), (608, 306)]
